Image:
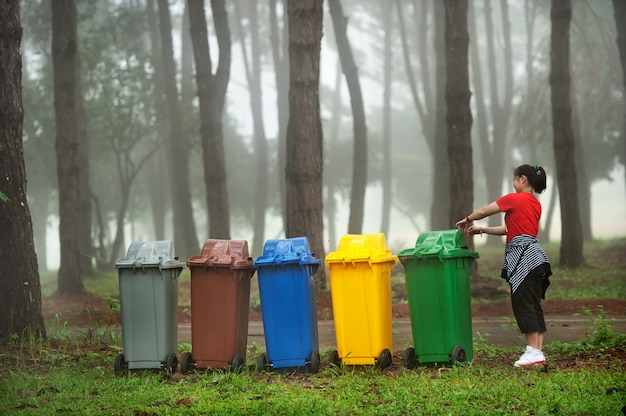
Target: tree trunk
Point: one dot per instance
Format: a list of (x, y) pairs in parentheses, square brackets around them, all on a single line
[(359, 158), (20, 296), (101, 255), (530, 13), (212, 95), (40, 211), (331, 180), (494, 150), (564, 149), (619, 11), (459, 115), (64, 56), (386, 180), (158, 178), (433, 127), (482, 124), (118, 241), (187, 82), (86, 239), (584, 183), (253, 76), (185, 235), (127, 172), (439, 217), (304, 131), (544, 234), (281, 70)]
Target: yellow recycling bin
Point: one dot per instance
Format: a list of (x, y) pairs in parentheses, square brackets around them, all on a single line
[(360, 283)]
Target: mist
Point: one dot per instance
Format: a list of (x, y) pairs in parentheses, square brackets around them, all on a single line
[(599, 102)]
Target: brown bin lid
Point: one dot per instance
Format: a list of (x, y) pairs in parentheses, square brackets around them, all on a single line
[(223, 253)]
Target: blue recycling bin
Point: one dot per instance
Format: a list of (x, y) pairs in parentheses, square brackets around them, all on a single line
[(287, 290)]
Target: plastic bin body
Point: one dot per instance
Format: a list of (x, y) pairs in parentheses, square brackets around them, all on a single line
[(360, 281), (286, 273), (220, 299), (148, 282), (438, 287)]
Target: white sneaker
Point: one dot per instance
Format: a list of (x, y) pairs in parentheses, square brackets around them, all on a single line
[(531, 357)]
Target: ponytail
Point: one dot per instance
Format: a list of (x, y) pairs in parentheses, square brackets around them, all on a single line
[(536, 176)]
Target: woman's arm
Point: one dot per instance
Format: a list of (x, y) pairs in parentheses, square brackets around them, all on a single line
[(485, 211), (479, 214), (475, 229)]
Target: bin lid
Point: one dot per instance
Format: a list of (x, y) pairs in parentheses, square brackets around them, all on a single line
[(287, 251), (442, 244), (223, 253), (142, 254), (362, 247)]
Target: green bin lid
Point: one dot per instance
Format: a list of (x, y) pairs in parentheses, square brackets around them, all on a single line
[(442, 244), (362, 247)]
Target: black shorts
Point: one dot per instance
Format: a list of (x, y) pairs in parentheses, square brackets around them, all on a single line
[(527, 304)]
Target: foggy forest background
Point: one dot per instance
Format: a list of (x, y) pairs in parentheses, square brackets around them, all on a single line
[(393, 52)]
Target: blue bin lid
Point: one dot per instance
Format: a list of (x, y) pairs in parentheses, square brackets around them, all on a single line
[(287, 251), (142, 254), (442, 244)]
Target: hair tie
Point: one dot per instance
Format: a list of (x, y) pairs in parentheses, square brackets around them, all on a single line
[(537, 171)]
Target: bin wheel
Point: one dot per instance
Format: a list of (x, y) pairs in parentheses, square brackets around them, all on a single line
[(314, 364), (410, 360), (186, 363), (458, 355), (120, 366), (237, 364), (385, 359), (171, 363), (261, 362), (334, 358)]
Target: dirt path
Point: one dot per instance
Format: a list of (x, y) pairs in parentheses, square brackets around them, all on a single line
[(89, 310)]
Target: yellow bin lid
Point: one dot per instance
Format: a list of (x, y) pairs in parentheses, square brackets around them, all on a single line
[(362, 247)]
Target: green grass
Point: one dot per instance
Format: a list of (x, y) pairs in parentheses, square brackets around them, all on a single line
[(72, 372), (52, 381)]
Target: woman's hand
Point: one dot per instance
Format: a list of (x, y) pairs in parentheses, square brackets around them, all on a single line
[(474, 229), (463, 225), (468, 227)]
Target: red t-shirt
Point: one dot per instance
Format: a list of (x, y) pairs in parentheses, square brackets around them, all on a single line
[(522, 213)]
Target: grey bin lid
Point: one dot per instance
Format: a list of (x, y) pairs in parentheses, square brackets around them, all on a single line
[(142, 254)]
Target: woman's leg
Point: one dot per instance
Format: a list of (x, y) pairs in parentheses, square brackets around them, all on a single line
[(541, 322), (529, 316), (534, 339), (528, 312)]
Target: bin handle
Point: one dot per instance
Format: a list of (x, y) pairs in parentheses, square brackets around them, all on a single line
[(139, 263)]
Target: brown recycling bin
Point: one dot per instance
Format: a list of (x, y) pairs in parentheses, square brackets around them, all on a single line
[(220, 298)]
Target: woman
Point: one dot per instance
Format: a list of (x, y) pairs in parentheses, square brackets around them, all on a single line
[(526, 267)]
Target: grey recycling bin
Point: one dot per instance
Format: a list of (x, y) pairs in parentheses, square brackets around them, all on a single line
[(148, 279)]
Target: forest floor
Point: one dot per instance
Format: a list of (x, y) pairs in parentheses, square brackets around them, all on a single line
[(89, 309)]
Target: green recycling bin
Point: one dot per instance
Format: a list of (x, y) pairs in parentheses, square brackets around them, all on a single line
[(148, 279), (437, 273)]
